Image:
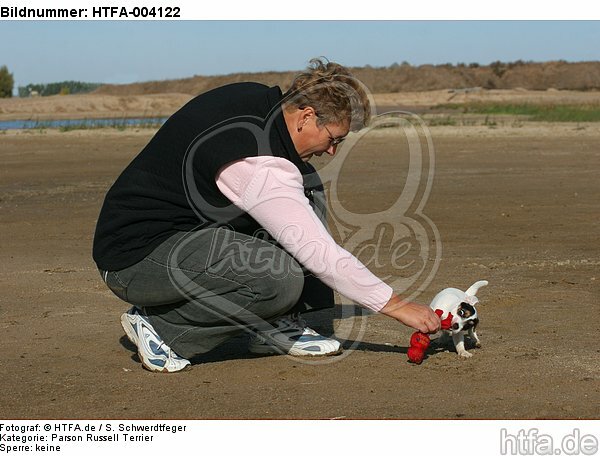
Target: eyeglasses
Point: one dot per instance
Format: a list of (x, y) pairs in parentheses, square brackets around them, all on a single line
[(333, 141)]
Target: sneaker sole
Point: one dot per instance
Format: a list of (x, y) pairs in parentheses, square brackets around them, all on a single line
[(132, 336)]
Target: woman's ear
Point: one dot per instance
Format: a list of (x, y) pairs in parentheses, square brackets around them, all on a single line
[(305, 115)]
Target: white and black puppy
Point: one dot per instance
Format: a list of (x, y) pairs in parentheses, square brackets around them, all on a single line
[(461, 304)]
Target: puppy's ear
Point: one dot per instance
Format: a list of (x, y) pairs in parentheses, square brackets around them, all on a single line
[(472, 291)]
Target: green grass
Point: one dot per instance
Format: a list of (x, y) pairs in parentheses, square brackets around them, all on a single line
[(542, 113), (120, 125), (441, 121)]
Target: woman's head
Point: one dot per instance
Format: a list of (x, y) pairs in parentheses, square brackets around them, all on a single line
[(334, 94)]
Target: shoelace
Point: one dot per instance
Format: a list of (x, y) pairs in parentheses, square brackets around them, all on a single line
[(170, 353), (168, 350), (294, 320), (298, 320), (301, 324)]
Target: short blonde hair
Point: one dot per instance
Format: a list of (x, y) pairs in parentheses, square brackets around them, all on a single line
[(331, 90)]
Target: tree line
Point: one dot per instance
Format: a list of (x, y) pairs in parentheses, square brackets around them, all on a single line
[(57, 88), (7, 84)]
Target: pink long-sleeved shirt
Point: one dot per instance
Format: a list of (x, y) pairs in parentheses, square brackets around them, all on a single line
[(270, 190)]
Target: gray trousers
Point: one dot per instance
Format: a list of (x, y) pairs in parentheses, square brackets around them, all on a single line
[(201, 288)]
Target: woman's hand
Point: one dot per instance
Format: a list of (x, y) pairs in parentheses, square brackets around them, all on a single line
[(417, 316)]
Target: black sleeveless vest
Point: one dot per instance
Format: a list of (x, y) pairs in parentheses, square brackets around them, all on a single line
[(170, 186)]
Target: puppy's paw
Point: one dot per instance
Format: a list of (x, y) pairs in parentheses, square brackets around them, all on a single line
[(477, 344), (465, 354)]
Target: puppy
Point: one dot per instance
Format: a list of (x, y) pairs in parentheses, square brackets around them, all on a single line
[(461, 304)]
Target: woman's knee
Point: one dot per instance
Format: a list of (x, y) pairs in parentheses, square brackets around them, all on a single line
[(282, 288)]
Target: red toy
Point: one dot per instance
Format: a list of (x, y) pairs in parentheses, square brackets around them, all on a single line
[(419, 342)]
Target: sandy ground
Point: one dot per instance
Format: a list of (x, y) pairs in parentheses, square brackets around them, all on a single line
[(516, 206), (90, 106), (478, 95), (159, 105)]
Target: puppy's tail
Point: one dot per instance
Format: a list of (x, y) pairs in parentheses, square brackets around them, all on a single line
[(472, 291)]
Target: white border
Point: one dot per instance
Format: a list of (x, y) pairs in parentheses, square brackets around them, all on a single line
[(347, 438), (347, 9)]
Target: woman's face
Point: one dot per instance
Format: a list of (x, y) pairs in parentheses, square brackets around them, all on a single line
[(315, 139)]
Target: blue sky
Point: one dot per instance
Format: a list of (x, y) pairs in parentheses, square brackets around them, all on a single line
[(123, 52)]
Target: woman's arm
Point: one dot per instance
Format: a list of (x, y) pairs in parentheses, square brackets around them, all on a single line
[(270, 190)]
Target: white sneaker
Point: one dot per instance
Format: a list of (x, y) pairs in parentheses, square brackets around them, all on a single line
[(291, 336), (156, 356)]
